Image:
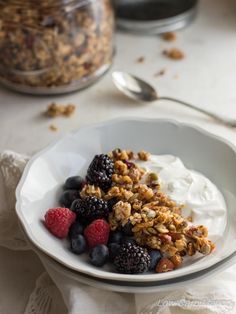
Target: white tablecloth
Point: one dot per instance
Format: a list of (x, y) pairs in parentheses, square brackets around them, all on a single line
[(206, 77)]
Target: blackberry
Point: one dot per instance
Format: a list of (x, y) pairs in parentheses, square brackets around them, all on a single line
[(90, 208), (127, 239), (100, 171), (132, 259)]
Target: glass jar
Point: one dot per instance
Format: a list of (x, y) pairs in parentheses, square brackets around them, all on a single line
[(154, 16), (54, 46)]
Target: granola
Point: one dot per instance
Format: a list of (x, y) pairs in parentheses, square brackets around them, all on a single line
[(51, 44), (170, 36), (55, 110), (157, 220), (123, 192), (174, 54)]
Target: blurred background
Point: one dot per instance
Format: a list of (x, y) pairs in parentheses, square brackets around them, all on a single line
[(192, 59)]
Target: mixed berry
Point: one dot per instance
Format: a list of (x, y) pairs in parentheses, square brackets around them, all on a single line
[(114, 218)]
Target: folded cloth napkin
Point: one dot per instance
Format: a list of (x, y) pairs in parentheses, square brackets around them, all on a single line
[(213, 296)]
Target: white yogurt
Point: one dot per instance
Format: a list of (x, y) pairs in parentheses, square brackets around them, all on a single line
[(200, 197)]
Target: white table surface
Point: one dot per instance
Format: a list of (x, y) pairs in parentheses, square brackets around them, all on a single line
[(206, 77)]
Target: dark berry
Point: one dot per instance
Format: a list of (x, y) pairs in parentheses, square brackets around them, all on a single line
[(127, 239), (99, 255), (75, 229), (113, 250), (111, 202), (74, 183), (115, 237), (100, 171), (78, 244), (132, 259), (127, 229), (68, 196), (155, 256), (90, 208), (78, 206)]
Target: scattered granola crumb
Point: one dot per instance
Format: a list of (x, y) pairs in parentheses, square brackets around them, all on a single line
[(69, 110), (53, 127), (174, 53), (176, 76), (55, 110), (140, 60), (160, 73), (170, 36)]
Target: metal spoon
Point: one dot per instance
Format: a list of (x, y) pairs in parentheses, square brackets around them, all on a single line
[(137, 89)]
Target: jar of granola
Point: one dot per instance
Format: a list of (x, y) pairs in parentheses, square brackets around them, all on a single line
[(54, 46)]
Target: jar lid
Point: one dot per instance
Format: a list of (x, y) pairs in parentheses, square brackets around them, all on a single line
[(154, 16)]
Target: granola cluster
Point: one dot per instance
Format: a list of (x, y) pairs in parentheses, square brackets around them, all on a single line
[(157, 220), (54, 43), (174, 54), (55, 110)]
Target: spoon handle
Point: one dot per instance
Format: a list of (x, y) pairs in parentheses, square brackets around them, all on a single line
[(224, 121)]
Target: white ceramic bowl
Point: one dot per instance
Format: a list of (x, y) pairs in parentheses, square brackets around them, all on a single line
[(44, 175)]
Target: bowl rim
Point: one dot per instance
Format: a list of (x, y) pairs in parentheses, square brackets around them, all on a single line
[(122, 287), (98, 273)]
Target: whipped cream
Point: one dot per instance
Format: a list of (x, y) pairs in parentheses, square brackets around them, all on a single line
[(201, 198)]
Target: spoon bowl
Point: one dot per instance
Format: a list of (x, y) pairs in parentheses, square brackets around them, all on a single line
[(134, 87)]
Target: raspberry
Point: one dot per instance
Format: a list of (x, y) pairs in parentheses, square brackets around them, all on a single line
[(100, 171), (97, 233), (58, 221)]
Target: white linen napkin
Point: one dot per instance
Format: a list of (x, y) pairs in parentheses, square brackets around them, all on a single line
[(213, 296)]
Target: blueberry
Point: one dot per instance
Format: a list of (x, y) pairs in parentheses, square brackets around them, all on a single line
[(78, 244), (99, 255), (76, 206), (127, 239), (127, 229), (68, 196), (115, 237), (76, 229), (111, 202), (155, 256), (113, 250), (74, 183)]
